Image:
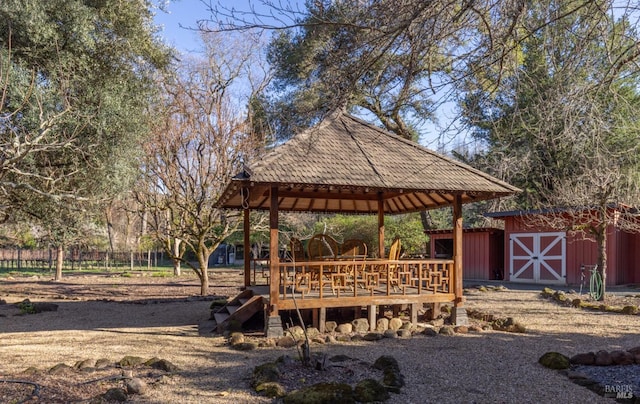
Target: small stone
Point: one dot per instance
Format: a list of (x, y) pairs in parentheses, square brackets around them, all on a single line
[(475, 328), (583, 359), (430, 332), (343, 338), (136, 386), (369, 391), (360, 325), (395, 324), (265, 373), (271, 390), (407, 326), (322, 393), (312, 332), (622, 358), (438, 322), (382, 324), (461, 329), (330, 339), (87, 363), (346, 328), (603, 358), (447, 330), (164, 365), (245, 346), (286, 342), (103, 363), (319, 340), (236, 338), (330, 326), (296, 332), (554, 360), (390, 333), (130, 361), (115, 394), (59, 369), (373, 336), (404, 333)]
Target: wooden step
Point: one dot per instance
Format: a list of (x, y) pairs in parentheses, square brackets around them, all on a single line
[(232, 309), (221, 317)]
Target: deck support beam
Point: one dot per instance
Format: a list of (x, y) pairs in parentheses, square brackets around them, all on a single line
[(459, 314), (372, 317), (274, 322), (247, 247)]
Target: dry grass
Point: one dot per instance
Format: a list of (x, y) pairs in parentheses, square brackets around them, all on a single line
[(110, 317)]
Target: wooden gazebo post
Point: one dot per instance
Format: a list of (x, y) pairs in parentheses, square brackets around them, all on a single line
[(459, 314), (274, 322), (247, 248)]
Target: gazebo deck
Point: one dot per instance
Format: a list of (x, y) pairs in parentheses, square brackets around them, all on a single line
[(352, 283)]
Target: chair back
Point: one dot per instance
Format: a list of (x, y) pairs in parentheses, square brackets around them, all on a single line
[(394, 251), (297, 250), (322, 246), (353, 247)]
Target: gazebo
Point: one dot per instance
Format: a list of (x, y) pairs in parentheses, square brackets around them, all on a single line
[(346, 165)]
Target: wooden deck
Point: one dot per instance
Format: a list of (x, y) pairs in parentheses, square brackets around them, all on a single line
[(352, 283)]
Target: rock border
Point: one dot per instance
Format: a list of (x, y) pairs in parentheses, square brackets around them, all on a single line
[(561, 298), (568, 367)]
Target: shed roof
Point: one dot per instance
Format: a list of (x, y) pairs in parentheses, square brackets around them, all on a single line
[(345, 165)]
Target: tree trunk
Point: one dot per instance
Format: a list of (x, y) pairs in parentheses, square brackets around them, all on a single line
[(204, 275), (59, 262), (176, 253)]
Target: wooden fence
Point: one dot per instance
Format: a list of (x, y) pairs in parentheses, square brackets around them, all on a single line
[(45, 259)]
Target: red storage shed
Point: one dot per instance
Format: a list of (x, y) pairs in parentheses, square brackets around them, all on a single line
[(535, 253), (482, 251)]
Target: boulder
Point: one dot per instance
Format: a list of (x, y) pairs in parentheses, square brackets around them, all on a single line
[(430, 332), (461, 329), (345, 328), (59, 369), (313, 332)]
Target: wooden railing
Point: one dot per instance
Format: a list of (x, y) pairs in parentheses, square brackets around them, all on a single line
[(364, 278)]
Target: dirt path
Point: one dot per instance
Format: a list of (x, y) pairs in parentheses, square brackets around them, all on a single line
[(111, 317)]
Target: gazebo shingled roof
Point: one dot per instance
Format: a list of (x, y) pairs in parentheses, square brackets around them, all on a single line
[(345, 165)]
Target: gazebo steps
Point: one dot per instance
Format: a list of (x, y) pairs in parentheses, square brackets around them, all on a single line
[(240, 309)]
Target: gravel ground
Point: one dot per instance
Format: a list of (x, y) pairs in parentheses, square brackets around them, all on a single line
[(485, 367)]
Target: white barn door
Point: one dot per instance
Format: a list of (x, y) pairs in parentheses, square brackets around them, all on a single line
[(538, 258)]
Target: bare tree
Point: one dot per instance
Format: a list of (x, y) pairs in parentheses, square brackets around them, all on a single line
[(201, 139)]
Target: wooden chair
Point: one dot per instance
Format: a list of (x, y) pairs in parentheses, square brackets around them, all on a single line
[(353, 247), (322, 246), (394, 255), (297, 253)]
